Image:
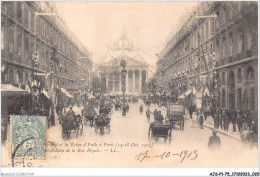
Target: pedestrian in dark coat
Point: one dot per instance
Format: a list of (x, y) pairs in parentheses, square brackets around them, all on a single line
[(148, 114), (226, 121), (201, 121), (214, 142), (239, 121), (234, 120)]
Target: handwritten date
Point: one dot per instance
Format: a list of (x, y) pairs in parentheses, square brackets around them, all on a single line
[(165, 155)]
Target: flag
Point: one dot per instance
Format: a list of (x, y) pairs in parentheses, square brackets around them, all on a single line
[(27, 88), (3, 68), (206, 92)]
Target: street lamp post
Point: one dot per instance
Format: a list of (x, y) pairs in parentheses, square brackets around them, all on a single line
[(123, 74)]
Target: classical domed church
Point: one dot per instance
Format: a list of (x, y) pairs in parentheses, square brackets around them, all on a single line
[(109, 70)]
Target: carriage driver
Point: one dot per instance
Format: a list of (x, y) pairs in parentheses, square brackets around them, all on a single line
[(71, 113), (159, 117)]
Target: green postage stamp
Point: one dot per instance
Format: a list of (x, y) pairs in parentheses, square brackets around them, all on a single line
[(28, 136)]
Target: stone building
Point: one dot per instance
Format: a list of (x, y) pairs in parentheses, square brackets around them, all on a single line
[(35, 45), (109, 70), (215, 48)]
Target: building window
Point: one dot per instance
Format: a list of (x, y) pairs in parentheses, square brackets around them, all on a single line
[(223, 98), (252, 98), (207, 30), (250, 74), (239, 77), (19, 42), (231, 43), (249, 38), (2, 37), (32, 21), (224, 46), (19, 12), (223, 77), (26, 17), (212, 26), (240, 41), (26, 46), (32, 48), (11, 40)]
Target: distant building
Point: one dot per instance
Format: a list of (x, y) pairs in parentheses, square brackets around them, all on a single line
[(218, 53), (25, 33), (109, 70)]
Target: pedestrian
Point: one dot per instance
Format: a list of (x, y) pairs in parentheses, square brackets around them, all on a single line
[(148, 115), (141, 109), (127, 107), (52, 118), (190, 111), (239, 121), (194, 119), (201, 121), (214, 142), (234, 119), (226, 121)]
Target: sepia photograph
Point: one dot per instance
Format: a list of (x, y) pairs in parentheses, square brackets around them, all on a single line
[(129, 84)]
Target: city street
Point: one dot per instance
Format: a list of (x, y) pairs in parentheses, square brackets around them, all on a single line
[(133, 129)]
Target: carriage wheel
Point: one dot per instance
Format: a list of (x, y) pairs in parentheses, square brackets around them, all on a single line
[(149, 134)]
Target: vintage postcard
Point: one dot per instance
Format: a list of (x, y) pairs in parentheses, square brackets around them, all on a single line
[(129, 84)]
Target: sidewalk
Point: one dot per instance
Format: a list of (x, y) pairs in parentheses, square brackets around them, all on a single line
[(209, 123)]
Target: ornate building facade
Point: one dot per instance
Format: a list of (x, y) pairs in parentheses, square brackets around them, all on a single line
[(37, 45), (109, 71), (216, 48)]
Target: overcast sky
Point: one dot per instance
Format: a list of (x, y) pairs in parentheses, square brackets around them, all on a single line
[(147, 24)]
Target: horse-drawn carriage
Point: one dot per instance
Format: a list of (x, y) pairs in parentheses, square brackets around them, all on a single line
[(175, 114), (102, 122), (89, 114), (71, 124), (159, 130)]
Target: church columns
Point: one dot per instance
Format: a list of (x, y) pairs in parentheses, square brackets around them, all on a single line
[(107, 81), (133, 80)]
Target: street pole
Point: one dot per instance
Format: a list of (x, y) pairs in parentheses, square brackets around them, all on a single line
[(123, 72)]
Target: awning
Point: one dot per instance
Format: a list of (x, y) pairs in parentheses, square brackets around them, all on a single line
[(185, 94), (46, 94), (66, 93), (10, 90)]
